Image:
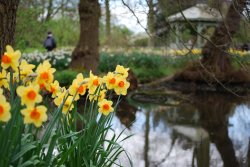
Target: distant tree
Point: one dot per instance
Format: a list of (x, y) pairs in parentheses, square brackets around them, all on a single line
[(50, 8), (65, 25), (151, 23), (107, 25), (8, 10), (86, 54)]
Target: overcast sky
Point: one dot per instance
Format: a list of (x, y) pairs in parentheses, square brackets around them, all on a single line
[(122, 16)]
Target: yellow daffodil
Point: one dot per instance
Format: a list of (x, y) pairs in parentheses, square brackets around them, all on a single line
[(99, 97), (78, 87), (121, 86), (110, 80), (54, 88), (10, 58), (94, 82), (26, 69), (60, 96), (29, 95), (196, 51), (68, 105), (4, 109), (14, 79), (44, 74), (36, 115), (3, 79), (105, 107), (121, 71)]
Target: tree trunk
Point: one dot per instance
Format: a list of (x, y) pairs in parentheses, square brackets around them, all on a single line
[(108, 31), (215, 56), (146, 145), (151, 23), (49, 11), (8, 10), (86, 54)]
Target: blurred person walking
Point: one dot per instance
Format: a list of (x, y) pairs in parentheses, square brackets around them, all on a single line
[(49, 43)]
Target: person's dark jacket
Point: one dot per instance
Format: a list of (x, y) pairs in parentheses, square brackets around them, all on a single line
[(49, 43)]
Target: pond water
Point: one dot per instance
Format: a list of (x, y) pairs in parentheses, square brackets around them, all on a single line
[(210, 130)]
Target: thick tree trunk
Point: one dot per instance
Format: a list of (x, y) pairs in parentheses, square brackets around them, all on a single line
[(86, 54), (108, 31), (8, 10), (214, 54)]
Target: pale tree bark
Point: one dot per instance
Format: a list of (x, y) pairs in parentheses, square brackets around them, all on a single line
[(107, 25), (86, 54), (151, 23), (215, 56), (8, 10)]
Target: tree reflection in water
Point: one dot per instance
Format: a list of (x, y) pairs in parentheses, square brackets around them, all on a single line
[(194, 134), (214, 110)]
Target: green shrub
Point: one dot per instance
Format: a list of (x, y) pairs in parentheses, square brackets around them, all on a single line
[(141, 42), (240, 61), (65, 77), (146, 67)]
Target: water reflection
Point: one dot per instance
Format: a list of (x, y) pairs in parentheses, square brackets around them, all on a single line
[(126, 113), (212, 131)]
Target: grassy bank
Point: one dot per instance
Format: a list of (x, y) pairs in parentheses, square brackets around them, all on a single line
[(147, 67)]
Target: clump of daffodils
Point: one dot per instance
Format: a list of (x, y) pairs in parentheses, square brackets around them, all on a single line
[(32, 85)]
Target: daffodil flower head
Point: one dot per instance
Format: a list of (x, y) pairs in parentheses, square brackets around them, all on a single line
[(26, 69), (44, 74), (3, 79), (4, 109), (94, 82), (60, 96), (121, 71), (54, 88), (36, 115), (29, 95), (99, 97), (68, 105), (110, 80), (121, 86), (78, 87), (105, 107), (10, 58)]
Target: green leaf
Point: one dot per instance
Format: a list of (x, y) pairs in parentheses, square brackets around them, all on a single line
[(24, 150)]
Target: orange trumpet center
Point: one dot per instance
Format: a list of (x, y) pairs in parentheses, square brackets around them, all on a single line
[(52, 89), (35, 114), (6, 59), (96, 82), (112, 81), (31, 94), (106, 107), (121, 84), (1, 110), (45, 76), (81, 89)]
